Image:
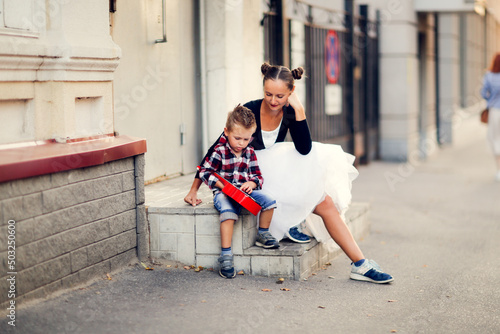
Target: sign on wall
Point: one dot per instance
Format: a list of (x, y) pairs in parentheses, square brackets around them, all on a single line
[(332, 57), (333, 91), (333, 99)]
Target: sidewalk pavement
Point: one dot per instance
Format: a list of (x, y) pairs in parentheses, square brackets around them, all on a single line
[(435, 228)]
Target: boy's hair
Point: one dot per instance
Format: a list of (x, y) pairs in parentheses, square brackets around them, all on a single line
[(240, 116)]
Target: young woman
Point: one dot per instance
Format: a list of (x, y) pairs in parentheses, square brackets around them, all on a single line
[(303, 176), (491, 92)]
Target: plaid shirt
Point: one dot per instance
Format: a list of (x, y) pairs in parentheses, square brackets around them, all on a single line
[(237, 170)]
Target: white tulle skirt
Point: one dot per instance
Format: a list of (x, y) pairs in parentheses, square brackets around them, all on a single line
[(300, 182)]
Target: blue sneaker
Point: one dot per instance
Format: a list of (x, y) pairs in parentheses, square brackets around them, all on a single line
[(370, 271), (295, 235), (226, 266)]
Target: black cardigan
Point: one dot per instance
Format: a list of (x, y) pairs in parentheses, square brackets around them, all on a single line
[(299, 131)]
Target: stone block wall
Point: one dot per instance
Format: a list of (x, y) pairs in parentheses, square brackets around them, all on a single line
[(72, 226)]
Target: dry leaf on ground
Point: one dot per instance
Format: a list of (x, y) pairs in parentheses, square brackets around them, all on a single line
[(284, 289), (108, 277), (241, 272), (187, 267), (321, 306), (391, 301), (267, 290), (146, 267)]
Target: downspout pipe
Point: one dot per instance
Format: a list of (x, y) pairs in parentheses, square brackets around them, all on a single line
[(203, 78)]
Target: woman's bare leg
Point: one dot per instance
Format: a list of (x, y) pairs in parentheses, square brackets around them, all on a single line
[(338, 229)]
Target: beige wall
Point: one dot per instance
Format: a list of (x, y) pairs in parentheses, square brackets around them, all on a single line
[(154, 87), (157, 88), (56, 67)]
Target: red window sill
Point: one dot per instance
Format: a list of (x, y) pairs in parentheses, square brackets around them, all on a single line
[(50, 157)]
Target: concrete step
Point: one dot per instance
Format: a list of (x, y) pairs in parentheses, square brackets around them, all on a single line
[(191, 235)]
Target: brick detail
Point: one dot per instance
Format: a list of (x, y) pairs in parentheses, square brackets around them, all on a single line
[(74, 225)]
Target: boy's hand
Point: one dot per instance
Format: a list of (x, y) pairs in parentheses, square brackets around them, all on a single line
[(192, 198), (248, 187)]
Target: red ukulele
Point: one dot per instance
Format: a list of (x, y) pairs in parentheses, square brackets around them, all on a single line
[(239, 196)]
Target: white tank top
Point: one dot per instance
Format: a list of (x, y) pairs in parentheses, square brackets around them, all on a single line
[(269, 137)]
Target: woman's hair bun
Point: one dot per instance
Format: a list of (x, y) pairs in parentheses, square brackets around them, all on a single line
[(297, 73), (264, 68)]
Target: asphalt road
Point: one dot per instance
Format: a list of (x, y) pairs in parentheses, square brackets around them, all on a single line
[(435, 228)]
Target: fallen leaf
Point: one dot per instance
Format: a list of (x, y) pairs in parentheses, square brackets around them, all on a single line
[(284, 289), (314, 274), (169, 265), (425, 266), (146, 267), (241, 272), (192, 266), (370, 315), (267, 290), (331, 277), (203, 301), (280, 280), (187, 267), (200, 267), (108, 277), (391, 301), (394, 331), (305, 279), (328, 264), (197, 270), (321, 306)]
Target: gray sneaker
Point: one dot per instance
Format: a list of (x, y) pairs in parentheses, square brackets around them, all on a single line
[(266, 240), (226, 266)]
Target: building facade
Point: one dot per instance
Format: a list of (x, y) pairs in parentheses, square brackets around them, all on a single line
[(71, 190)]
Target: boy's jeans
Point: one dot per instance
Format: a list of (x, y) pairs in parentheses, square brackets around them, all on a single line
[(230, 209)]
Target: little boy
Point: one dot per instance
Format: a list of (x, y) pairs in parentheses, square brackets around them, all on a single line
[(235, 161)]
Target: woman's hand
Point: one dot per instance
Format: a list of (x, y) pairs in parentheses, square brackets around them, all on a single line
[(248, 187), (293, 100)]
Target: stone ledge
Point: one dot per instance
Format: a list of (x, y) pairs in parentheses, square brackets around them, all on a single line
[(287, 248), (171, 220)]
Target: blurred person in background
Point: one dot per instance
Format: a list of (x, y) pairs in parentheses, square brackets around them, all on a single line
[(491, 93)]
